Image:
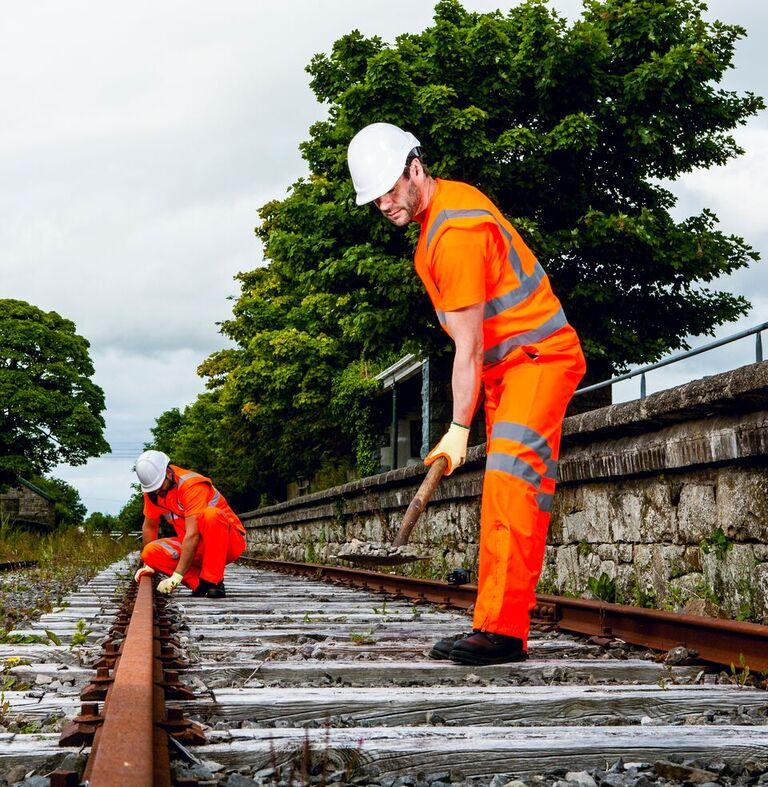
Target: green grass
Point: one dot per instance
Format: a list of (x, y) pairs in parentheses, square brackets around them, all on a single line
[(61, 549), (66, 558)]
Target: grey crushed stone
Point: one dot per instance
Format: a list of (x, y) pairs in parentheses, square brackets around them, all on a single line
[(662, 773)]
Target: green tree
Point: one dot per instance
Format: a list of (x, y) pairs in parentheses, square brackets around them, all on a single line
[(164, 431), (573, 129), (98, 521), (68, 508), (50, 408), (131, 515)]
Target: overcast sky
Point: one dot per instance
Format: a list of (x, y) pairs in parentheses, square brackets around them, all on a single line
[(139, 139)]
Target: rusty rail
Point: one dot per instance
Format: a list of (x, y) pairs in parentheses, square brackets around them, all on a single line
[(723, 642), (129, 748), (135, 674)]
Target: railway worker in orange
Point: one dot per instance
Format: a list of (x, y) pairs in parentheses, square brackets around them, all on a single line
[(513, 342), (208, 533)]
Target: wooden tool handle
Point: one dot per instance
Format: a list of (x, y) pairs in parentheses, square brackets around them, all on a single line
[(420, 499)]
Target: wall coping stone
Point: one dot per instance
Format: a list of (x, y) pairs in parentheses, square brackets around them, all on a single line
[(742, 390)]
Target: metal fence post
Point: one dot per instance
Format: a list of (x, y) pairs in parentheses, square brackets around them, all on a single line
[(758, 348), (642, 385)]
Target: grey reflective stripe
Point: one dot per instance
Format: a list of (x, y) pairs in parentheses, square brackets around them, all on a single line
[(520, 433), (554, 323), (527, 284), (445, 215), (513, 465), (169, 549), (215, 499), (544, 501), (183, 478), (441, 317), (551, 469), (512, 298)]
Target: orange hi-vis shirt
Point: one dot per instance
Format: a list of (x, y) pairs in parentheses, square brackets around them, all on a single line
[(191, 495), (468, 253)]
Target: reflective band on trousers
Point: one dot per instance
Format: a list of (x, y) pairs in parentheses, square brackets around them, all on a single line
[(513, 465), (520, 433), (169, 549), (544, 501), (508, 300)]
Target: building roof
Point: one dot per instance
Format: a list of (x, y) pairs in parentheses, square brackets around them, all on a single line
[(36, 489), (406, 367)]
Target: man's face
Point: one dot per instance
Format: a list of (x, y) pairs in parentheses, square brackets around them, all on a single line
[(401, 202)]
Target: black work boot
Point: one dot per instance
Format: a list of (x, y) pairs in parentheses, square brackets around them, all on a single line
[(206, 589), (485, 647), (442, 648), (217, 591)]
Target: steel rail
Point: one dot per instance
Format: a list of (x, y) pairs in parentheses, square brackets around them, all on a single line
[(129, 748), (724, 642)]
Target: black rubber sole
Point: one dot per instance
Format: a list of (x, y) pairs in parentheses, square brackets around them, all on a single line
[(479, 660), (442, 652)]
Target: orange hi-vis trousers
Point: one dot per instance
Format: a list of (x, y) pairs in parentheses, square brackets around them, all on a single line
[(221, 542), (526, 395)]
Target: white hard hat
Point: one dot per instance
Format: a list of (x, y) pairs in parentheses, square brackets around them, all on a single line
[(376, 159), (150, 468)]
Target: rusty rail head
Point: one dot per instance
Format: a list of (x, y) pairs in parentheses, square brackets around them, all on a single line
[(723, 642), (720, 641), (129, 749)]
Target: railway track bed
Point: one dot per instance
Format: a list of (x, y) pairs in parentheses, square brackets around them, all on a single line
[(296, 681)]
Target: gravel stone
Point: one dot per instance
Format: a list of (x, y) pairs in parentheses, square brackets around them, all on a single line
[(683, 773), (238, 780), (16, 774), (582, 778)]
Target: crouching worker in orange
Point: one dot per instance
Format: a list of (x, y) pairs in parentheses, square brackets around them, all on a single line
[(208, 533), (513, 342)]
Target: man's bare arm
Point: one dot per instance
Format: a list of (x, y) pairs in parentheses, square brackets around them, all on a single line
[(188, 545), (149, 530), (466, 328)]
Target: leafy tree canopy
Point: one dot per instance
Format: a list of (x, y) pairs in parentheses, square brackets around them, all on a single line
[(50, 408), (571, 128), (98, 521)]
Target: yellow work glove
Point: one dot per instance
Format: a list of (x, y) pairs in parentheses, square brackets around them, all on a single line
[(142, 571), (167, 586), (453, 446)]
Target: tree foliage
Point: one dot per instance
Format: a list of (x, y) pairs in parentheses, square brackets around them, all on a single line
[(50, 408), (573, 129)]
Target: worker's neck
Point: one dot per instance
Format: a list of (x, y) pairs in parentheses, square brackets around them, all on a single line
[(425, 196)]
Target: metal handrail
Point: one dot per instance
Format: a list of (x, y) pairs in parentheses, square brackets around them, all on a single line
[(682, 356)]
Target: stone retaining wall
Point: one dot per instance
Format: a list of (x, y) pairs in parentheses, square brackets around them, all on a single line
[(667, 496)]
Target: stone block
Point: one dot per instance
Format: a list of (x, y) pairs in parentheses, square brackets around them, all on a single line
[(624, 553), (760, 578), (742, 496), (730, 578), (696, 512), (572, 570), (657, 564), (607, 552)]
